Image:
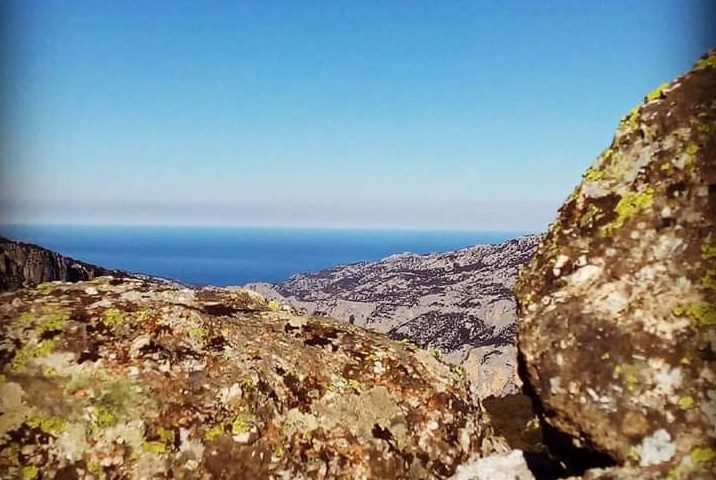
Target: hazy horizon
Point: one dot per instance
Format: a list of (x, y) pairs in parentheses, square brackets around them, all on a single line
[(5, 227), (399, 115)]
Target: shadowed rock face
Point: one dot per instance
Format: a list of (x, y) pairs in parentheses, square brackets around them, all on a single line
[(458, 302), (23, 264), (125, 378), (617, 307)]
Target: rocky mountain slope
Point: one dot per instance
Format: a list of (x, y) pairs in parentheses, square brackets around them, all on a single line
[(459, 302), (124, 378), (618, 307), (23, 264)]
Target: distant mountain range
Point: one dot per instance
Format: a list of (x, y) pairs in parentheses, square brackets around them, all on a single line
[(459, 303)]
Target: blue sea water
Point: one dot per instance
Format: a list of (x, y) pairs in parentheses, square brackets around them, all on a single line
[(236, 255)]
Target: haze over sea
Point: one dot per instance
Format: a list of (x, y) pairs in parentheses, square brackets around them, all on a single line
[(237, 255)]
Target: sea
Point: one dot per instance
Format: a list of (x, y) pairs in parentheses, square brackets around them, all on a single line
[(224, 256)]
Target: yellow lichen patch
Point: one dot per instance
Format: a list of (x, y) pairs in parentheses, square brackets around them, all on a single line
[(633, 454), (708, 62), (704, 313), (144, 315), (246, 383), (630, 120), (30, 472), (630, 373), (279, 452), (408, 344), (594, 175), (589, 216), (50, 323), (242, 423), (197, 335), (111, 400), (527, 299), (703, 454), (657, 92), (274, 306), (628, 206), (103, 418), (691, 150), (154, 447), (457, 373), (48, 424), (45, 288), (708, 250), (340, 384), (709, 280), (686, 402), (113, 317), (213, 432), (96, 468), (30, 352)]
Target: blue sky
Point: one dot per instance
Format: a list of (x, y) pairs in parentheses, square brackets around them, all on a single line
[(414, 114)]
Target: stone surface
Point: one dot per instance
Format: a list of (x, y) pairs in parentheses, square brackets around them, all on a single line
[(23, 264), (509, 466), (124, 378), (617, 307), (459, 303)]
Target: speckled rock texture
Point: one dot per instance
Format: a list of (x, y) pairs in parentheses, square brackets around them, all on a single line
[(131, 379), (617, 322)]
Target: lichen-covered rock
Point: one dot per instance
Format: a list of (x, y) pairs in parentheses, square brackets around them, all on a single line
[(617, 322), (130, 379)]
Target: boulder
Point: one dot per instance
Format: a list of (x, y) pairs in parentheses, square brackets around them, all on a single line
[(617, 317), (125, 378)]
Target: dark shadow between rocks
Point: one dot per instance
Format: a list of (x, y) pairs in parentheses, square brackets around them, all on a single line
[(558, 457)]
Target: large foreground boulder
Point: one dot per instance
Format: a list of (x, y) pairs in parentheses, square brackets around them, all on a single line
[(130, 379), (617, 323)]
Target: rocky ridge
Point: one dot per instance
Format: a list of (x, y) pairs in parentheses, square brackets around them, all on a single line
[(459, 303), (24, 264)]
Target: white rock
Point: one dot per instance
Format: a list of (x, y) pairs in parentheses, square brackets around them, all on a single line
[(585, 274), (656, 449), (511, 466)]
